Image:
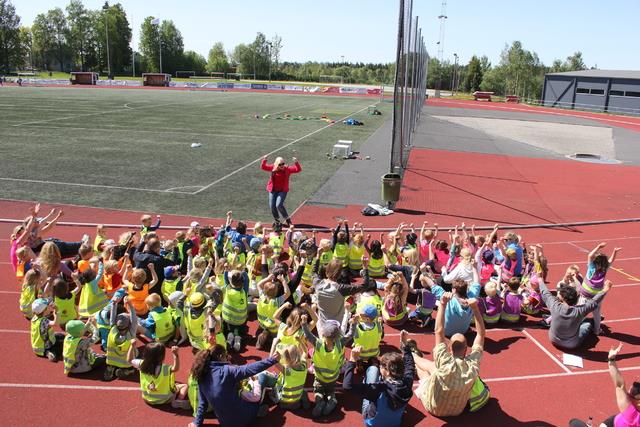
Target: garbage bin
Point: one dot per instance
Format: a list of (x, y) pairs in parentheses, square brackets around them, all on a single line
[(391, 187)]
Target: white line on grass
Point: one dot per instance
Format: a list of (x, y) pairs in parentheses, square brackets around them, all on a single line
[(159, 131), (76, 184), (547, 352), (229, 175)]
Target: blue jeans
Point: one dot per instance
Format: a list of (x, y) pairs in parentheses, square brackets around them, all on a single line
[(371, 376), (276, 203)]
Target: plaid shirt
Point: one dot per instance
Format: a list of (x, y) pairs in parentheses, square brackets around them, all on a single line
[(448, 389)]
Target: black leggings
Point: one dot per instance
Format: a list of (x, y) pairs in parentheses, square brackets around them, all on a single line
[(577, 423), (67, 249)]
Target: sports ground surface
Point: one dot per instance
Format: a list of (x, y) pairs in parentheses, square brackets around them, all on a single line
[(458, 171)]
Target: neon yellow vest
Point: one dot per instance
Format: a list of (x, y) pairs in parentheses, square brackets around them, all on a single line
[(66, 309), (307, 275), (192, 393), (369, 341), (116, 350), (393, 257), (277, 243), (69, 348), (355, 257), (376, 267), (266, 309), (285, 340), (168, 287), (291, 384), (327, 364), (27, 297), (369, 300), (325, 258), (180, 246), (386, 316), (38, 342), (165, 329), (479, 395), (234, 306), (160, 389), (91, 302), (96, 245), (341, 252), (195, 329)]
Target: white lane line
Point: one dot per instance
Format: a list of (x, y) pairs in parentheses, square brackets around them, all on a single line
[(578, 262), (69, 387), (570, 374), (219, 180), (591, 240), (580, 248), (10, 292), (628, 319), (160, 131), (15, 331), (77, 184), (547, 352)]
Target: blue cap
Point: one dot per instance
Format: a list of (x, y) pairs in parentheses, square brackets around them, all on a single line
[(255, 243), (370, 310), (168, 271)]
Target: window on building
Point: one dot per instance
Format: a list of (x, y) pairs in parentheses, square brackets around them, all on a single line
[(632, 94), (597, 91), (582, 90), (616, 93)]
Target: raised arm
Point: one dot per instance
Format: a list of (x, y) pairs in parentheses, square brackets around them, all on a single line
[(176, 359), (480, 328), (594, 251), (622, 398), (131, 353), (154, 276), (439, 328), (613, 255)]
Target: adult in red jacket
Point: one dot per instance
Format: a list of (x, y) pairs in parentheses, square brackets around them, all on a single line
[(278, 185)]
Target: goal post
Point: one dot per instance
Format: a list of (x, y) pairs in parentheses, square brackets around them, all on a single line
[(184, 74), (216, 75)]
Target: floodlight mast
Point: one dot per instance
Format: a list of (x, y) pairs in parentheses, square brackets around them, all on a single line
[(443, 19), (105, 8)]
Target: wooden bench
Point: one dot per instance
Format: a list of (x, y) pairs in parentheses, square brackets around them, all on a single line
[(512, 98), (482, 95)]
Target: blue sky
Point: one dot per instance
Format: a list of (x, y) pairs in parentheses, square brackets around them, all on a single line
[(607, 32)]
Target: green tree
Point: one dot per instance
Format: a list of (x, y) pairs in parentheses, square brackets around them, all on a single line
[(152, 36), (120, 53), (50, 38), (574, 62), (80, 35), (193, 61), (11, 48), (26, 54), (150, 45), (218, 61), (473, 79)]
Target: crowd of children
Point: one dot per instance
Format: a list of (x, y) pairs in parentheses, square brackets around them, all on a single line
[(215, 282)]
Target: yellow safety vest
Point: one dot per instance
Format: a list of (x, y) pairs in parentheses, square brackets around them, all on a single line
[(393, 257), (277, 243), (158, 390), (91, 302), (589, 289), (240, 258), (192, 393), (285, 340), (165, 329), (234, 306), (366, 300), (369, 340), (66, 309), (69, 348), (168, 287), (327, 364), (96, 245), (479, 395), (117, 350), (341, 252), (27, 297), (355, 257), (266, 309), (291, 384), (325, 258), (387, 317), (307, 275), (195, 329), (180, 246), (376, 267), (39, 342)]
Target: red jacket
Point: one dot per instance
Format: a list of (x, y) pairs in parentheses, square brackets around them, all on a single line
[(279, 179)]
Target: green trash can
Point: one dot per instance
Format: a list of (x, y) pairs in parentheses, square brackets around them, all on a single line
[(391, 183)]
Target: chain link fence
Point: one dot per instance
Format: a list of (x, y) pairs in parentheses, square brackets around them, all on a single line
[(410, 85)]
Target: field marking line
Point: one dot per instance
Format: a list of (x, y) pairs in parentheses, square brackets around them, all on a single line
[(578, 262), (14, 331), (629, 276), (159, 131), (229, 175), (77, 184), (529, 110), (69, 387), (572, 373), (590, 240), (580, 248), (547, 352), (4, 263), (10, 292), (127, 106), (628, 319)]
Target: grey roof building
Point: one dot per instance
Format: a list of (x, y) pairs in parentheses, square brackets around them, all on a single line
[(616, 91)]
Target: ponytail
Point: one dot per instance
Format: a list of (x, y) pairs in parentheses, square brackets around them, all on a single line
[(200, 366)]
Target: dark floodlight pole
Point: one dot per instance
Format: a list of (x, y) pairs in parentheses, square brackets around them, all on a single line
[(106, 31)]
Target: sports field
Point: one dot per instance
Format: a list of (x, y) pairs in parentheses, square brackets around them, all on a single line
[(131, 149)]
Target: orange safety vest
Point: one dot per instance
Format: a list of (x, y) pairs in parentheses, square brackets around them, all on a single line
[(137, 298)]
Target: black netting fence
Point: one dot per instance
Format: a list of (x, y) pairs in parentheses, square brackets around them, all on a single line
[(410, 85)]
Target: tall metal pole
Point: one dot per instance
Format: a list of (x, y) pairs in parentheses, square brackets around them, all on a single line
[(443, 18), (106, 31), (133, 63)]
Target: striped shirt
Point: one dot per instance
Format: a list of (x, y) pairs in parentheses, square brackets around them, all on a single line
[(448, 390)]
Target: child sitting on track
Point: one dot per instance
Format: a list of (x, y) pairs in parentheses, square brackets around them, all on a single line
[(123, 330), (92, 297), (394, 307), (65, 301), (491, 305), (44, 341), (159, 324), (288, 385), (31, 284), (513, 301), (77, 354), (138, 290)]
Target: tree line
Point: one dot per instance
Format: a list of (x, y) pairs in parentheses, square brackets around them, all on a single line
[(81, 39)]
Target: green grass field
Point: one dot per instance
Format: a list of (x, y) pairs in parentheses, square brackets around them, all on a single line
[(130, 149)]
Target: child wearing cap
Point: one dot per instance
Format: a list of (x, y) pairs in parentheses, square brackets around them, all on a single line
[(367, 332), (172, 282), (123, 330), (44, 341), (159, 324), (146, 224), (328, 358), (198, 321), (77, 354)]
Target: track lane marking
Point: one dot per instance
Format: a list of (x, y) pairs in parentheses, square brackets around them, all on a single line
[(547, 352)]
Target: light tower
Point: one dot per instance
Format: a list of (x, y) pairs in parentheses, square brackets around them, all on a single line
[(443, 20)]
